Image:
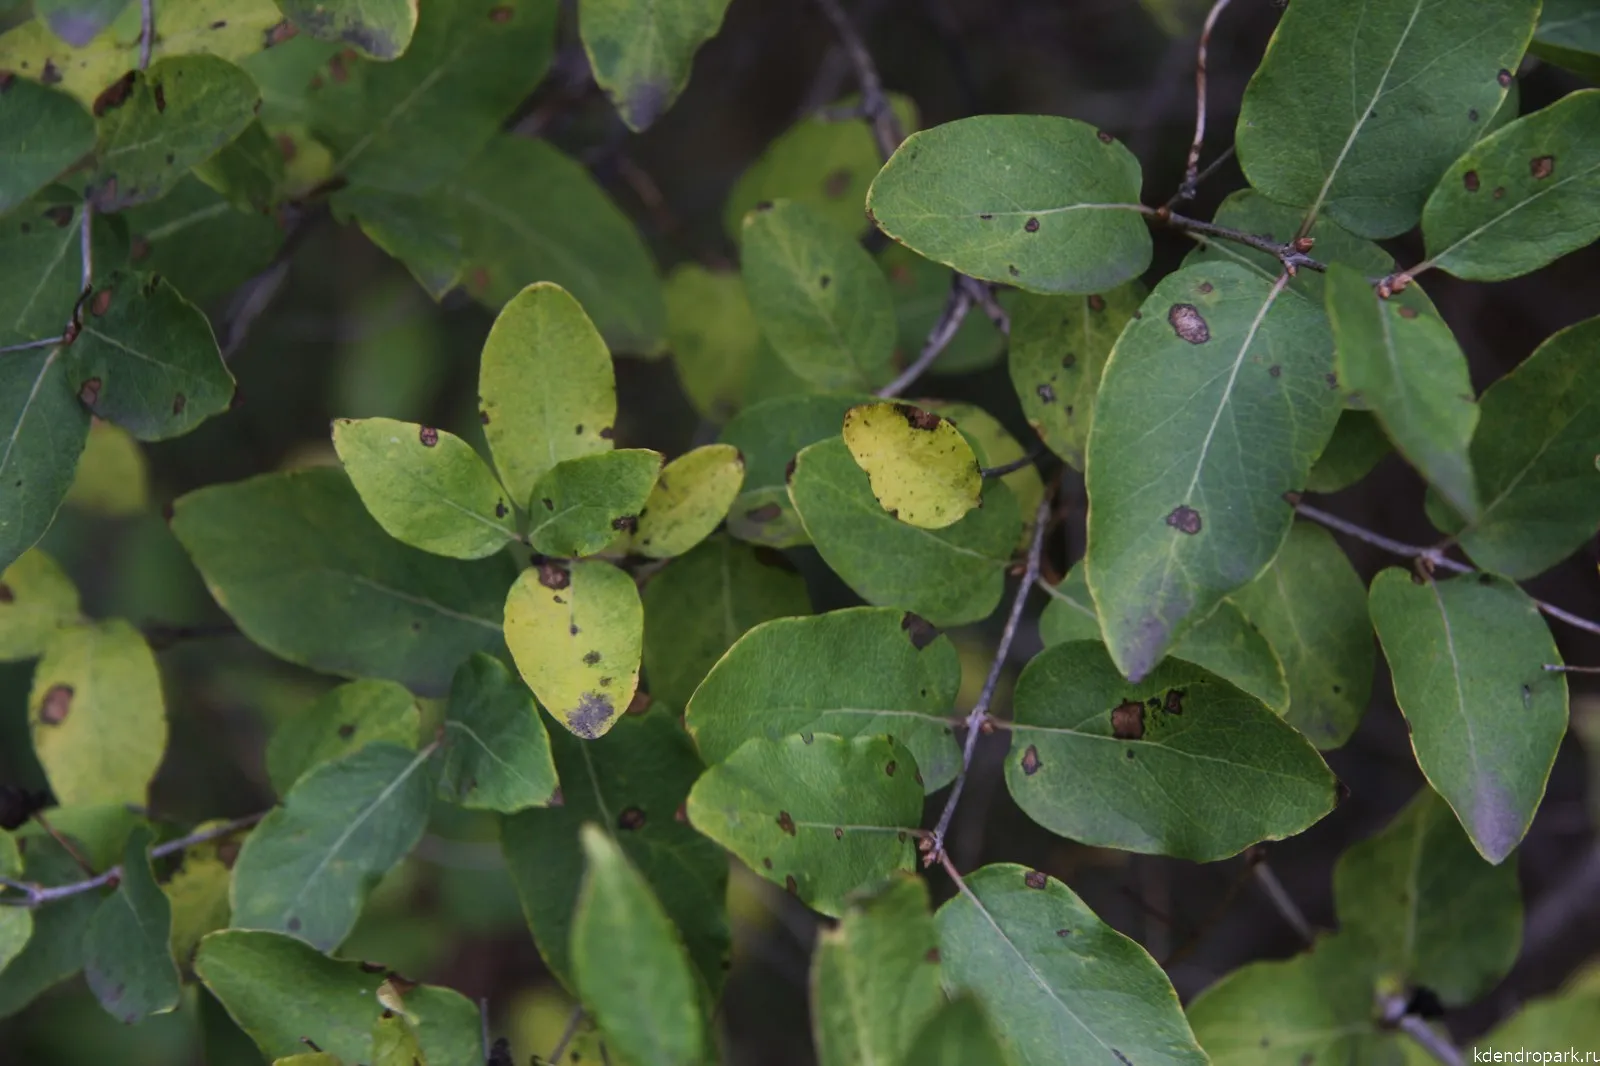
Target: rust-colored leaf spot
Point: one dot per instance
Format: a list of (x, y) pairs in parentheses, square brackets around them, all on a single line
[(1408, 312), (1105, 138), (1205, 287), (1185, 520), (767, 512), (836, 184), (1542, 167), (640, 703), (890, 767), (1097, 303), (337, 70), (917, 418), (552, 576), (1127, 720), (1499, 191), (500, 13), (1035, 879), (50, 75), (160, 94), (631, 819), (1032, 225), (1030, 761), (932, 955), (791, 885), (919, 629), (428, 435), (1470, 180), (608, 433), (280, 33), (57, 702), (60, 214), (116, 94), (838, 832), (627, 523), (6, 595), (1275, 370), (100, 303), (1187, 323), (786, 823), (1504, 77), (1174, 702), (1046, 393), (89, 392)]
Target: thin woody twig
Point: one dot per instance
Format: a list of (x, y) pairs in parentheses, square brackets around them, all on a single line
[(147, 31), (934, 844), (1200, 179), (1292, 255), (1191, 171), (48, 342), (567, 1034), (874, 103), (1393, 1009), (86, 246), (1014, 465), (1563, 668), (1284, 902), (944, 330)]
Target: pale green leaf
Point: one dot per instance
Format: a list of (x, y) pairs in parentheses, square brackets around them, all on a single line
[(77, 22), (342, 721), (127, 957), (921, 291), (1358, 444), (199, 242), (113, 479), (630, 965), (1039, 202), (1521, 198), (1569, 36), (1357, 110), (1571, 1018), (859, 672), (1468, 656), (16, 923), (691, 497), (713, 336), (633, 780), (822, 302), (1059, 347), (821, 815), (43, 131), (307, 868), (770, 435), (641, 51), (995, 446), (98, 721), (1061, 986), (1214, 404), (425, 486), (576, 635), (379, 28), (497, 753), (704, 601), (395, 1043), (310, 576), (875, 978), (580, 505), (55, 951), (958, 1035), (198, 894), (921, 468), (37, 599), (949, 576)]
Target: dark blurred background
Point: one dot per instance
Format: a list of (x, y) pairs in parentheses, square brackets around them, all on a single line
[(352, 335)]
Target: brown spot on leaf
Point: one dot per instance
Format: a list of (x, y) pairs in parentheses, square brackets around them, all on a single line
[(501, 13), (986, 218), (1184, 519), (1472, 114), (627, 523), (1046, 393), (1504, 77), (280, 33), (824, 281), (921, 631), (630, 819), (89, 392), (57, 702), (1014, 271), (1105, 138), (1275, 370), (1030, 761), (590, 658), (500, 509), (6, 78), (932, 955), (836, 184), (1499, 191), (139, 250), (60, 214), (1542, 167), (1035, 879), (1188, 324), (890, 767), (347, 731), (1174, 702), (1470, 180), (337, 70), (160, 93), (1032, 225), (428, 435), (608, 433), (293, 924), (767, 512), (549, 505), (786, 823), (552, 576), (116, 94), (838, 832), (6, 595), (791, 885), (1097, 303), (788, 471), (1408, 312), (100, 303), (917, 418), (1127, 720)]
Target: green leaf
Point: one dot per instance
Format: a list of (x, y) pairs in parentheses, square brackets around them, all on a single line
[(279, 990), (1405, 364), (1182, 763), (1358, 444), (859, 672), (546, 387), (1357, 112), (37, 600), (1225, 644), (713, 336), (1043, 966), (341, 722), (528, 213), (920, 467), (425, 486), (822, 302), (127, 957), (1534, 452), (409, 124), (921, 290), (634, 779), (379, 28), (306, 573), (16, 923), (1054, 209), (949, 576), (1310, 605), (1571, 1018), (1388, 890), (78, 22), (307, 868), (41, 268), (497, 753), (156, 124), (43, 429), (702, 602), (770, 435), (576, 635), (195, 239), (959, 1034), (824, 816), (1569, 36), (1468, 656), (417, 229), (56, 949), (690, 499), (1316, 1006), (43, 131), (146, 359), (824, 164), (1234, 375), (641, 52), (249, 171), (99, 725), (394, 1043), (579, 505), (875, 978), (1521, 198), (630, 965), (1059, 347)]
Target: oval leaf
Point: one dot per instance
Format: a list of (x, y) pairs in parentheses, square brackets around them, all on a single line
[(342, 721), (127, 958), (713, 336), (497, 753), (690, 499), (45, 429), (922, 470), (55, 951), (641, 53), (43, 131)]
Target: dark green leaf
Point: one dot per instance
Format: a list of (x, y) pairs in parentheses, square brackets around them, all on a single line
[(634, 780), (770, 435), (580, 505), (41, 266), (248, 172), (1468, 657), (308, 575), (78, 21), (1569, 36), (1357, 111), (497, 753), (921, 290), (863, 671), (641, 52), (342, 721), (56, 949), (16, 923), (630, 965), (43, 429), (1230, 379), (418, 229), (1042, 965), (949, 576), (1035, 201), (307, 868), (127, 959), (379, 28), (37, 599), (1357, 445), (821, 815), (199, 242), (702, 602), (958, 1035), (43, 131)]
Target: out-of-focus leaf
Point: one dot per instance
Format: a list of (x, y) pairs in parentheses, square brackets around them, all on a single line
[(641, 53), (37, 600), (957, 1035), (16, 923), (1358, 444), (713, 336), (1568, 35), (344, 720), (199, 242), (112, 478), (921, 290), (127, 956)]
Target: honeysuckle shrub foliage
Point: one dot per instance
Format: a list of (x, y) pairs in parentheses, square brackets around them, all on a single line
[(608, 650)]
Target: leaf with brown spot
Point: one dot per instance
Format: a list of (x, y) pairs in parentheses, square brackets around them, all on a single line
[(343, 720)]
